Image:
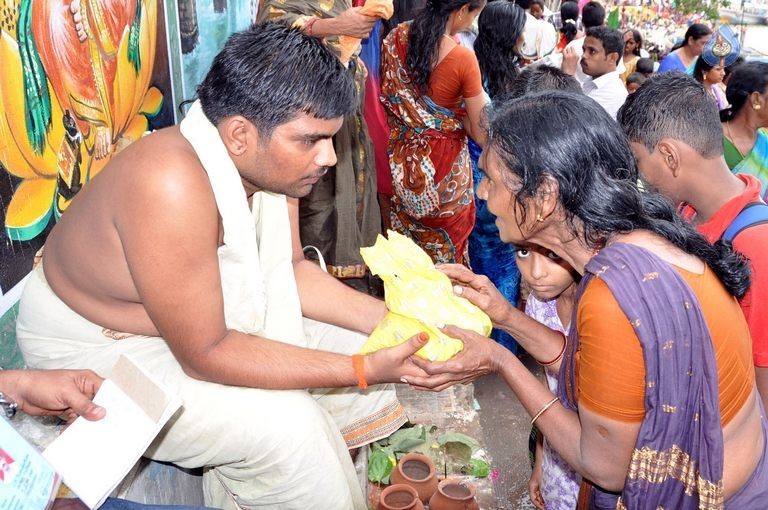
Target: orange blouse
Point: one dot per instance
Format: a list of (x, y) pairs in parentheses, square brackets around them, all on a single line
[(455, 77), (609, 363)]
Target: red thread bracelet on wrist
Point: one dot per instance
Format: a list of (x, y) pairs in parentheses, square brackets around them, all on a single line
[(358, 364), (308, 25), (559, 356)]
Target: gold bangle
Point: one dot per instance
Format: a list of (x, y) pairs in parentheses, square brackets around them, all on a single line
[(544, 409)]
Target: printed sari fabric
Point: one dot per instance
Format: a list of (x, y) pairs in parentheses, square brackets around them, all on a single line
[(677, 461), (755, 163), (432, 199)]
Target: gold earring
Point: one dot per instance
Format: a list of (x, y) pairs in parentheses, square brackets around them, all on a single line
[(756, 106), (539, 218)]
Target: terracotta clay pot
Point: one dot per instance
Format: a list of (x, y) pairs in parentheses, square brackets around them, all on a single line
[(454, 495), (418, 471), (399, 497)]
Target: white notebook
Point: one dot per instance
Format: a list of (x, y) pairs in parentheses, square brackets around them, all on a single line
[(93, 457)]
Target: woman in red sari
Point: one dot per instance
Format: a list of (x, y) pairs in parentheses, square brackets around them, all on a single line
[(433, 94)]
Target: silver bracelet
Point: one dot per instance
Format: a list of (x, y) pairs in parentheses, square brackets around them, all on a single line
[(8, 406)]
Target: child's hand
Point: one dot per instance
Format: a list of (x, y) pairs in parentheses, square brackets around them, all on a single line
[(534, 484)]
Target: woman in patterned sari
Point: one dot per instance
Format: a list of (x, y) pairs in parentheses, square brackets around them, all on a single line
[(745, 122), (433, 95), (656, 403)]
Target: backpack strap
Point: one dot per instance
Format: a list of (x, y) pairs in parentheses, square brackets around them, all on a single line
[(753, 214)]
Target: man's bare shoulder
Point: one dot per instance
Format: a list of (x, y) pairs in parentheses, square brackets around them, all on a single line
[(163, 152), (162, 165)]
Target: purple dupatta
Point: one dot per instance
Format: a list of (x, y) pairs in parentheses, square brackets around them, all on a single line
[(677, 461)]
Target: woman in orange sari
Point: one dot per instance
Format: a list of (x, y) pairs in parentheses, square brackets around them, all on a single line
[(433, 94)]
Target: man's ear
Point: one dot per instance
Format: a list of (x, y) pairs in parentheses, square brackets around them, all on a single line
[(670, 154), (236, 134), (615, 60)]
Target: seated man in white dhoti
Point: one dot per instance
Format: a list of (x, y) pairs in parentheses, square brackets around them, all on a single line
[(184, 253)]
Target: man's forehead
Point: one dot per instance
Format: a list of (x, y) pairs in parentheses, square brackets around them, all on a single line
[(593, 42), (305, 124)]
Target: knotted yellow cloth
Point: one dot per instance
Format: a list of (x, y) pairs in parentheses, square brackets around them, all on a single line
[(418, 297), (378, 8)]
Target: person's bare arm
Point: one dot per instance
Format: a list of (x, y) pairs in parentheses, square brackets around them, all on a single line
[(326, 299), (53, 392), (169, 231), (596, 447), (473, 121), (349, 22)]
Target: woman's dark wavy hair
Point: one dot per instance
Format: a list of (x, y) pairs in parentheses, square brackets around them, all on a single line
[(405, 10), (700, 67), (638, 38), (261, 74), (424, 41), (569, 11), (500, 26), (568, 137), (745, 79), (697, 31)]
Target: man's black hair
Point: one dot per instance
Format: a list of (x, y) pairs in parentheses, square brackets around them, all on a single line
[(673, 105), (541, 77), (593, 15), (612, 39), (270, 74), (644, 65)]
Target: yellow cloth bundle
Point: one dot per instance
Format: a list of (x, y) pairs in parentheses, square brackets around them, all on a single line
[(380, 9), (418, 297)]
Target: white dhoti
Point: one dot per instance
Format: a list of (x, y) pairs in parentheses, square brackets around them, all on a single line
[(260, 448)]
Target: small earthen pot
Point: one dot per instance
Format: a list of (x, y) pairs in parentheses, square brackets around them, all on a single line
[(454, 494), (399, 497), (418, 471)]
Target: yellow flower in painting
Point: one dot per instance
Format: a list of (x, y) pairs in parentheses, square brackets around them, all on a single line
[(48, 179)]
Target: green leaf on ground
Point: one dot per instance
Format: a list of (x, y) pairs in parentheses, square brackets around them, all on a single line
[(458, 437), (476, 467), (405, 440), (380, 464)]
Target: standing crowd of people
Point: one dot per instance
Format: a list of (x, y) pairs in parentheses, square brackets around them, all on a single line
[(523, 151)]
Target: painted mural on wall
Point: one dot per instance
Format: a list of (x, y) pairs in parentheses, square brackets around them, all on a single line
[(204, 26), (75, 88), (80, 80)]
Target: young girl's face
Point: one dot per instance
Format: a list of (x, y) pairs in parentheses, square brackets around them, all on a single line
[(536, 11), (546, 273), (714, 75)]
